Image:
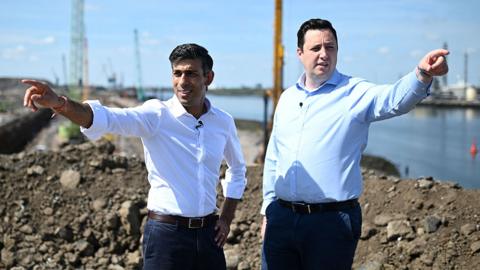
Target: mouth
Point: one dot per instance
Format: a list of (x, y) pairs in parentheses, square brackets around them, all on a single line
[(184, 92)]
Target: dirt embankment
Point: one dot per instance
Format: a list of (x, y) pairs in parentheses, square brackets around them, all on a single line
[(85, 205)]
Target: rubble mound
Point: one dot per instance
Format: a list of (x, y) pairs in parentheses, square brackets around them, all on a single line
[(84, 206)]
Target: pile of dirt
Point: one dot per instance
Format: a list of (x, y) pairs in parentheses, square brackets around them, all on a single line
[(84, 206)]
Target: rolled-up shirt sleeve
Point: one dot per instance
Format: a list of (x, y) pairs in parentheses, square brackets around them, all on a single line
[(99, 124), (235, 181), (136, 122)]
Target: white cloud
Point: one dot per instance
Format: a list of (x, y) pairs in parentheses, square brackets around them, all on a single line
[(15, 53), (416, 53), (43, 41), (148, 39), (9, 40), (432, 36), (383, 50), (92, 7)]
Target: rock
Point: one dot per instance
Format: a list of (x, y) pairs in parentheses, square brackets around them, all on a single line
[(232, 259), (384, 219), (7, 257), (98, 204), (65, 233), (26, 229), (35, 170), (112, 221), (48, 211), (367, 231), (475, 246), (115, 267), (431, 223), (425, 183), (468, 229), (84, 248), (398, 228), (130, 217), (374, 262), (133, 259), (243, 265), (70, 179)]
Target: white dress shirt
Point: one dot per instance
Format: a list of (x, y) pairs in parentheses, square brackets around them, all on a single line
[(182, 154)]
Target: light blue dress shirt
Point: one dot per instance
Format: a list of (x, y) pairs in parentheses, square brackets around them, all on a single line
[(318, 136)]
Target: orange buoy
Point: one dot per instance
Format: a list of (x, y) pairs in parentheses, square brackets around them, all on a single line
[(473, 148)]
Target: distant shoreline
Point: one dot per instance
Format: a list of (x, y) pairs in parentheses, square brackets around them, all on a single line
[(450, 104)]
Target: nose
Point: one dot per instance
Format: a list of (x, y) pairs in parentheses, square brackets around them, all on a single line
[(322, 53), (182, 80)]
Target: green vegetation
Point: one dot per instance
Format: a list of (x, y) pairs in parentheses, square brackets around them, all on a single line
[(5, 106)]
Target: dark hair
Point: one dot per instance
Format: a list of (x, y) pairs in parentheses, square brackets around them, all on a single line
[(192, 51), (314, 24)]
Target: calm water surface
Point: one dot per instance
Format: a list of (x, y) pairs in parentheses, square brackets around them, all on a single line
[(425, 142)]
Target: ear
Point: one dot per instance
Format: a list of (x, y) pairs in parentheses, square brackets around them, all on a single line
[(299, 52), (210, 76)]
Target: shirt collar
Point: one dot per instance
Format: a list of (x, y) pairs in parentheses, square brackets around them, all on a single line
[(178, 110), (333, 80)]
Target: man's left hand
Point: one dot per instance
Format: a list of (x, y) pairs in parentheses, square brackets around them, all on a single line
[(434, 63), (222, 228)]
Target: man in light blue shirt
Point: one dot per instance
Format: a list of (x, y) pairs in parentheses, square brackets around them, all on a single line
[(312, 177)]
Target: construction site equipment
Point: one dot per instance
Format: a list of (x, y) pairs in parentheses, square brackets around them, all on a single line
[(77, 38), (278, 52), (140, 95)]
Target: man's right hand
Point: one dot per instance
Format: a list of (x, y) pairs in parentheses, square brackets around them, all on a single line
[(264, 227), (40, 94)]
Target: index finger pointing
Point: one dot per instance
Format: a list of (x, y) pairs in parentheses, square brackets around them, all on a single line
[(439, 52), (33, 83)]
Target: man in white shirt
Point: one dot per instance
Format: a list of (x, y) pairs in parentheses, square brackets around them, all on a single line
[(185, 140)]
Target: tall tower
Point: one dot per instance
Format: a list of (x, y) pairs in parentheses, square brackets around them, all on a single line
[(465, 76), (444, 77), (138, 67), (77, 38)]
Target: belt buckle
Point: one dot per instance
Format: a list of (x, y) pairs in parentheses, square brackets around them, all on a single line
[(191, 224), (309, 210)]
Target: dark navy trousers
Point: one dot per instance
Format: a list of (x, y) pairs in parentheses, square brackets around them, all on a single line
[(171, 247), (320, 240)]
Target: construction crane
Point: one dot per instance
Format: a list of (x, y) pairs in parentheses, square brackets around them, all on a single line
[(140, 95), (77, 38), (278, 52), (110, 75), (277, 55), (86, 86)]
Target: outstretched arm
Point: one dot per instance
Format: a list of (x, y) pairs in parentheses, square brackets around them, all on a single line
[(432, 64), (40, 93)]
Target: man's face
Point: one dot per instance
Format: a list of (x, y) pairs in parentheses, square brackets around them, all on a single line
[(319, 54), (190, 83)]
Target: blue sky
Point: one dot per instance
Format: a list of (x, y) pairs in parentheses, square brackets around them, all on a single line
[(378, 40)]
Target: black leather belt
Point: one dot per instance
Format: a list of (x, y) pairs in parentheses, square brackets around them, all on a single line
[(308, 208), (191, 223)]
